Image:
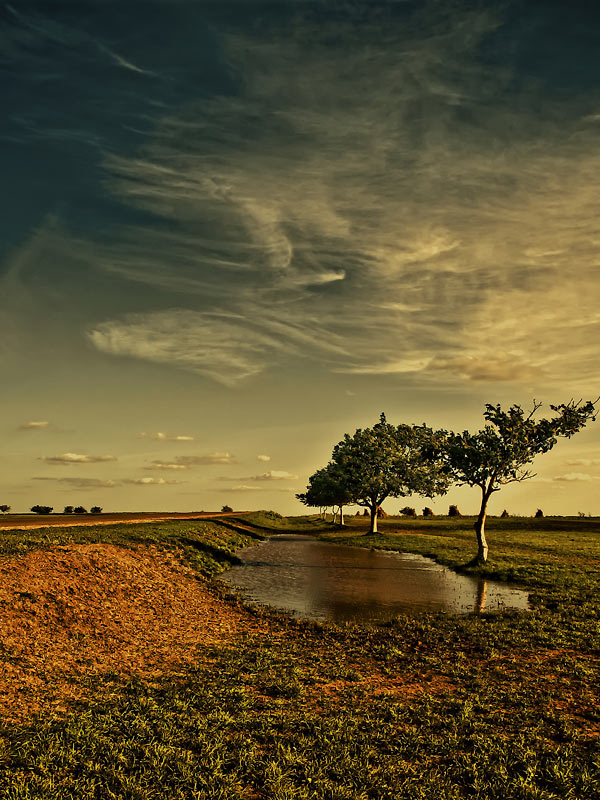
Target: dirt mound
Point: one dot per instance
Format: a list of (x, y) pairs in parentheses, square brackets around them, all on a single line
[(96, 608)]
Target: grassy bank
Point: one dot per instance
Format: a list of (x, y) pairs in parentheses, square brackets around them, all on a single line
[(437, 706)]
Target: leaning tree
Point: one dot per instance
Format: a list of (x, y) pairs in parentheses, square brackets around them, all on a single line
[(500, 452), (388, 461)]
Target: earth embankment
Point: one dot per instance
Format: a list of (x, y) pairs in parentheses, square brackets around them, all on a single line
[(91, 609)]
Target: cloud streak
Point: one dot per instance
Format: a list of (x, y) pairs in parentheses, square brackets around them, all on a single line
[(271, 475), (82, 483), (161, 436), (101, 483), (576, 477), (166, 465), (225, 347), (76, 458), (150, 482), (207, 459)]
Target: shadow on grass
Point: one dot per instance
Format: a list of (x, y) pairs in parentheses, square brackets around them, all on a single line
[(219, 555)]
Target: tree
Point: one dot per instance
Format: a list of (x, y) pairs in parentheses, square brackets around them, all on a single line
[(42, 509), (95, 510), (407, 511), (4, 508), (387, 461), (500, 452), (80, 510), (326, 488), (226, 510), (68, 510)]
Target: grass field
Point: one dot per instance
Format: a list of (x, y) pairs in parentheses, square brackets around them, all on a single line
[(437, 706)]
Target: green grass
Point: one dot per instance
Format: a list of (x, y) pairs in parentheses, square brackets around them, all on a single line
[(432, 707)]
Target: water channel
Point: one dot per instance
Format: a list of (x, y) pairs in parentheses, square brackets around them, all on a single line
[(318, 580)]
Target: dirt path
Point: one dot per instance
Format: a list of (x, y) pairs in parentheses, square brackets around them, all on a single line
[(15, 522), (88, 609)]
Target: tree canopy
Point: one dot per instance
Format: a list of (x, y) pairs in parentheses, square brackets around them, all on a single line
[(390, 461), (326, 488)]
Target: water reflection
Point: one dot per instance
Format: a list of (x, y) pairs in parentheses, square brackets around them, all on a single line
[(315, 579)]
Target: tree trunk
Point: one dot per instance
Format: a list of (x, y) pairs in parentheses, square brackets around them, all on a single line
[(341, 515), (333, 515), (482, 545), (373, 510)]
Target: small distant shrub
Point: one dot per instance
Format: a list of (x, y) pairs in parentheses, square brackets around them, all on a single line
[(226, 509), (80, 510), (68, 510), (95, 510), (5, 508), (428, 512), (504, 514), (539, 513), (42, 509), (407, 511), (580, 514), (270, 514), (454, 512)]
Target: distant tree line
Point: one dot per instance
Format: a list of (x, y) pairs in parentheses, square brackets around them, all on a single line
[(67, 510), (386, 461)]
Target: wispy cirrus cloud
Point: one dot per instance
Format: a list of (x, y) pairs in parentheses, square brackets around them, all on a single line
[(224, 346), (369, 198), (76, 458), (440, 230), (263, 457), (34, 426)]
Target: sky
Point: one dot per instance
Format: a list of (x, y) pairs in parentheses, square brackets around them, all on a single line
[(234, 231)]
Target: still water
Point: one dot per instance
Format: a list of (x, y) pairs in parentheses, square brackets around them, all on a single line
[(318, 580)]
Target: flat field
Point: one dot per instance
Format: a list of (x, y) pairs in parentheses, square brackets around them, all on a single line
[(127, 672)]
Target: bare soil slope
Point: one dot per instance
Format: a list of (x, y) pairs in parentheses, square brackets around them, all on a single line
[(95, 608)]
